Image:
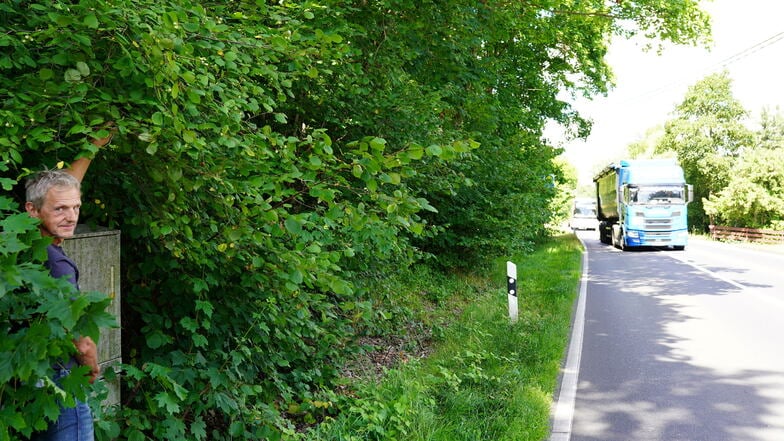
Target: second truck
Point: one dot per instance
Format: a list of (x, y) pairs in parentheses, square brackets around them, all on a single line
[(642, 203)]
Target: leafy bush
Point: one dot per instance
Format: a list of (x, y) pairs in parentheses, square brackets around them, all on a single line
[(237, 239), (754, 196)]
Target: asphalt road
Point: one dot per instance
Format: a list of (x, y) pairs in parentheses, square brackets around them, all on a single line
[(681, 345)]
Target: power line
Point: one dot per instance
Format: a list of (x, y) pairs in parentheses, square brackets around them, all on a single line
[(748, 51), (714, 67)]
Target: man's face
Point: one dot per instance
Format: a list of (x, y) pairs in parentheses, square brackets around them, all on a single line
[(59, 212)]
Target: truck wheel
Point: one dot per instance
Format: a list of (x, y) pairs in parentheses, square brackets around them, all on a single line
[(604, 233), (618, 239)]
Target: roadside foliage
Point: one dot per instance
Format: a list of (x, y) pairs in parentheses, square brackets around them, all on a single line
[(270, 156), (737, 172)]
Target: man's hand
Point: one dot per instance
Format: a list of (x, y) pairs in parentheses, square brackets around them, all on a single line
[(78, 168), (102, 142), (88, 356)]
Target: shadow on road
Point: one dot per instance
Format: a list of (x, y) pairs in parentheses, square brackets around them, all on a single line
[(637, 384)]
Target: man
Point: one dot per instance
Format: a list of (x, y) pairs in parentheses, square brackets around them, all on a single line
[(54, 197)]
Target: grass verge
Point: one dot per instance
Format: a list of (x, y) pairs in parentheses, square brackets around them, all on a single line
[(483, 377)]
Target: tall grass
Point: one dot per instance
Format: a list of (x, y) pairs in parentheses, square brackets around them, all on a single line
[(486, 379)]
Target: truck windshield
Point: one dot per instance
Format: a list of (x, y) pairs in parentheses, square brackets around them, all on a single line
[(584, 211), (664, 194)]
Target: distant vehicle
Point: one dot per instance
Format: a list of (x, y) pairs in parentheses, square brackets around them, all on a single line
[(584, 215), (643, 203)]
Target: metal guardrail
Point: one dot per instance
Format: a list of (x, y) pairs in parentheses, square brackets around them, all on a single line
[(718, 232)]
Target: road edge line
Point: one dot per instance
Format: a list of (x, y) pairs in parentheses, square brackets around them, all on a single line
[(563, 409)]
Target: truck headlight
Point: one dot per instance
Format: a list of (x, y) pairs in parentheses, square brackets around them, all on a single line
[(633, 234)]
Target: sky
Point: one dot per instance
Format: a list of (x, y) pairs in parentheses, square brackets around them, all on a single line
[(748, 41)]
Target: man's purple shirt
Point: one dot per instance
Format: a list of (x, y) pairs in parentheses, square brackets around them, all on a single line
[(60, 265)]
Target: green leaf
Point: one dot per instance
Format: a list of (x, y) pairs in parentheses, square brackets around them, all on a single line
[(199, 340), (340, 287), (146, 137), (378, 143), (61, 310), (61, 59), (46, 74), (6, 367), (199, 428), (180, 391), (83, 68), (415, 153), (425, 204), (91, 21), (434, 150), (136, 435), (205, 307), (189, 323), (156, 339), (110, 429), (293, 226), (72, 76), (18, 223), (7, 203), (237, 428), (193, 96), (295, 275), (188, 76), (15, 420), (175, 174), (168, 402), (7, 184)]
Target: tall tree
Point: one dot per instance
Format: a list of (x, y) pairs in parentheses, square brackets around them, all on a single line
[(771, 132), (754, 195), (707, 134), (491, 71), (646, 146)]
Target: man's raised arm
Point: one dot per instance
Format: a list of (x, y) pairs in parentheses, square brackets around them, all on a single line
[(78, 167)]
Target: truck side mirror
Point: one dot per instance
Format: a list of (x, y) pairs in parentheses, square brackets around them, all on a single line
[(690, 193)]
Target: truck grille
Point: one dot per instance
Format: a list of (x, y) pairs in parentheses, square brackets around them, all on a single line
[(658, 224), (657, 237)]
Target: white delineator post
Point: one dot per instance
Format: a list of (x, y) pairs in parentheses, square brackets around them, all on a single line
[(511, 279)]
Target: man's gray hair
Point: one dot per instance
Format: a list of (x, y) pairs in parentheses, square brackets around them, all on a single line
[(40, 183)]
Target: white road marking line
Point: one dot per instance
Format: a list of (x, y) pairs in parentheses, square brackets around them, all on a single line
[(563, 409), (747, 290)]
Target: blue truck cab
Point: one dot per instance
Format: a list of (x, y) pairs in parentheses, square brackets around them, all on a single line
[(643, 203)]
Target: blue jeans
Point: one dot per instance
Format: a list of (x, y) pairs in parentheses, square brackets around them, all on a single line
[(73, 424)]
